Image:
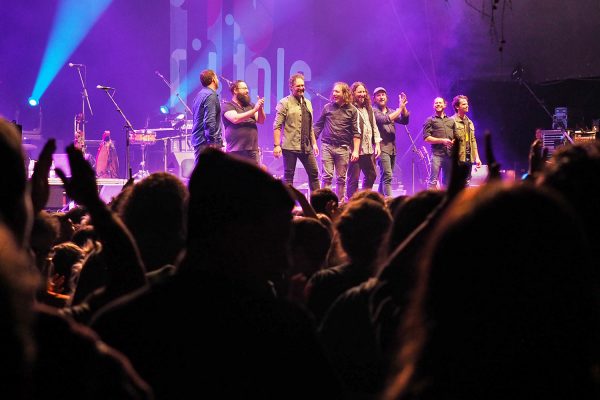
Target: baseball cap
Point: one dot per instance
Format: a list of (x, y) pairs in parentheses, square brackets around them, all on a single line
[(379, 89)]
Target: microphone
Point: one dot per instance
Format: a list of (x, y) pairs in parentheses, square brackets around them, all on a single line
[(159, 74), (105, 87), (226, 80), (76, 65)]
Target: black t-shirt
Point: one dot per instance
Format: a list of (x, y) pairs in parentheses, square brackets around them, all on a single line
[(242, 136)]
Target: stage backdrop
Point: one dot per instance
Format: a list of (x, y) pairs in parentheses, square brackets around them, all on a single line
[(426, 49)]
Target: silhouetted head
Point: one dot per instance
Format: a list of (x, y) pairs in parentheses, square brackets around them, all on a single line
[(239, 217), (15, 202), (504, 302), (362, 227), (154, 211)]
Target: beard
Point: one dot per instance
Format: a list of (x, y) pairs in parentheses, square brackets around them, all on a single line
[(244, 99)]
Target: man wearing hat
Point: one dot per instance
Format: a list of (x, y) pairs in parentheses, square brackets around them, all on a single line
[(386, 118)]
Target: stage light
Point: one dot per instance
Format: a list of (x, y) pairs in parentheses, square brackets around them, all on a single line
[(164, 109), (180, 116), (72, 22), (33, 102)]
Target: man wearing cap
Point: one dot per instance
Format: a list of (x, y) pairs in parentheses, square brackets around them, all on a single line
[(386, 119)]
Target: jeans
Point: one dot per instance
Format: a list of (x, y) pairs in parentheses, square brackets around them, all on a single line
[(387, 163), (309, 162), (366, 164), (253, 155), (335, 157), (439, 162)]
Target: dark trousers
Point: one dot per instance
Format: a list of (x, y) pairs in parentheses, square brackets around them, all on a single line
[(309, 162), (366, 164)]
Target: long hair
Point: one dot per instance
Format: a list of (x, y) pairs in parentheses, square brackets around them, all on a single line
[(353, 88), (346, 94)]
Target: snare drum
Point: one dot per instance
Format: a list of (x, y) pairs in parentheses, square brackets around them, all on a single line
[(142, 137)]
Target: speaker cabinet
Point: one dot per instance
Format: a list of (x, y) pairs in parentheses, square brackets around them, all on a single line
[(181, 163)]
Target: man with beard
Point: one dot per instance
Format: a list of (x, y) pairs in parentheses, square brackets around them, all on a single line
[(241, 116), (338, 124), (295, 116), (439, 131), (386, 119), (369, 148)]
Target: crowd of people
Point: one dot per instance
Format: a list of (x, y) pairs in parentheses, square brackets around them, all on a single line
[(240, 286)]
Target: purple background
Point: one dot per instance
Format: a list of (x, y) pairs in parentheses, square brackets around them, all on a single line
[(425, 48)]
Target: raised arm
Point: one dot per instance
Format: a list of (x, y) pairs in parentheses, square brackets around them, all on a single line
[(125, 269)]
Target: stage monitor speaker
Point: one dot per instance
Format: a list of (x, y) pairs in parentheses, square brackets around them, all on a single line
[(182, 163), (57, 198), (108, 192)]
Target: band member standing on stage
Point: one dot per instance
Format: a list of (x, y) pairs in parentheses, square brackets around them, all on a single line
[(295, 116), (207, 130), (440, 132), (241, 117), (340, 143), (369, 148), (386, 119), (465, 133)]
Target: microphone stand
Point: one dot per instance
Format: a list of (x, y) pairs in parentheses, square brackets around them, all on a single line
[(128, 128), (319, 95), (416, 152), (185, 124), (517, 76), (84, 100), (187, 109)]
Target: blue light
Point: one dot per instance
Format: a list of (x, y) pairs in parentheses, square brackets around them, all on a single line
[(33, 102), (164, 109), (72, 22)]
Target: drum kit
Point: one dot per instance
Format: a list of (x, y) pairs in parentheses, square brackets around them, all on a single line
[(178, 142)]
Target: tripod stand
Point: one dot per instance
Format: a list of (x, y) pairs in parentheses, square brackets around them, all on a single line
[(422, 156), (517, 74)]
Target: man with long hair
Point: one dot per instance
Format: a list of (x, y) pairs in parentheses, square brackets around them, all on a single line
[(340, 142), (369, 148)]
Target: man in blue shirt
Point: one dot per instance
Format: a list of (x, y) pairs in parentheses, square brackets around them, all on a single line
[(207, 130)]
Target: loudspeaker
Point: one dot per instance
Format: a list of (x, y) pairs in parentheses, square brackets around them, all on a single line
[(108, 192), (181, 163), (57, 198)]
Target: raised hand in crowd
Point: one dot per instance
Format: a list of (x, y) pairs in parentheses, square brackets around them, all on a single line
[(126, 271), (307, 209), (40, 190), (537, 156), (493, 165)]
